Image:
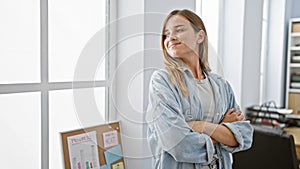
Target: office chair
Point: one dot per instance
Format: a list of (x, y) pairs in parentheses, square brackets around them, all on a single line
[(271, 149)]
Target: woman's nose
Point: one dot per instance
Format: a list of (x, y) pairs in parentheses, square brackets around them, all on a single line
[(172, 36)]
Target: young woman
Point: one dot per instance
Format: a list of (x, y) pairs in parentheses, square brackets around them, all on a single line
[(193, 118)]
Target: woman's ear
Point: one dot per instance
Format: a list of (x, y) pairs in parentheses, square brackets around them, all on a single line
[(201, 36)]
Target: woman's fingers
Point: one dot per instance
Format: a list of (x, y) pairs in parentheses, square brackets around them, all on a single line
[(239, 116), (229, 111), (232, 116)]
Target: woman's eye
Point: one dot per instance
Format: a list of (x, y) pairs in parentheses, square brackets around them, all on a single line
[(179, 30)]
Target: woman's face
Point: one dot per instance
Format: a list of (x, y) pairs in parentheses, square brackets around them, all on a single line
[(181, 41)]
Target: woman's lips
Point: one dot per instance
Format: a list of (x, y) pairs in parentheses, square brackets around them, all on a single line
[(174, 44)]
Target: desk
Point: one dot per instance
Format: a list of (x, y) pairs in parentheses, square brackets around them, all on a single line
[(295, 131)]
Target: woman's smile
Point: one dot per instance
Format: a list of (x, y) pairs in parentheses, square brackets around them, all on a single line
[(174, 44)]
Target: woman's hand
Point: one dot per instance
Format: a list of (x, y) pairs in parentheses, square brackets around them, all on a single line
[(232, 116)]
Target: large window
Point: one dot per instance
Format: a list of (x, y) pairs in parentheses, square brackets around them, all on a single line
[(53, 76), (210, 12)]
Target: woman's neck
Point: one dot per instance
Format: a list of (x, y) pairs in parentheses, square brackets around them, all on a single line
[(195, 68)]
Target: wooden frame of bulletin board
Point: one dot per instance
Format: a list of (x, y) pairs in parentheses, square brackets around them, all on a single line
[(100, 130)]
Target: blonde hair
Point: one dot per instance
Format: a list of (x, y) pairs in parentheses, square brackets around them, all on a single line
[(173, 65)]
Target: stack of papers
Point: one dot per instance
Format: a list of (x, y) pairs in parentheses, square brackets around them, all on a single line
[(271, 109), (296, 58), (295, 77), (293, 116), (295, 85)]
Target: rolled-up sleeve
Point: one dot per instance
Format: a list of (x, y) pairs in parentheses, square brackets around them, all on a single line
[(243, 133), (167, 129), (242, 130)]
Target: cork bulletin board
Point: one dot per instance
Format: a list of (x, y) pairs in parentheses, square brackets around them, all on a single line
[(93, 147)]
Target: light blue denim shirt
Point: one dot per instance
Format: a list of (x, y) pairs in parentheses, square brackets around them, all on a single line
[(173, 143)]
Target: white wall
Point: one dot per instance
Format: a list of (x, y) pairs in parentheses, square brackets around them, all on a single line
[(275, 68), (242, 41), (138, 54), (129, 86), (251, 53), (233, 44), (295, 9)]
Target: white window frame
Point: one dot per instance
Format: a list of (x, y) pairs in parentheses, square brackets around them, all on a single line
[(44, 86), (214, 27)]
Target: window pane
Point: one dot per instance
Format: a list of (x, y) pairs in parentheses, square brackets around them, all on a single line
[(20, 41), (20, 128), (210, 15), (64, 117), (72, 24)]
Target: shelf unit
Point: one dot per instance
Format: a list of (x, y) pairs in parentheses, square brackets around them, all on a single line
[(293, 67)]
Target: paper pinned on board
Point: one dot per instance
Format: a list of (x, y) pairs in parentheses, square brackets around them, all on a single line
[(83, 151), (113, 154), (110, 138), (118, 165)]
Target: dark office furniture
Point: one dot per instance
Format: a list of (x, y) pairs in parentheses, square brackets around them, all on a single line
[(271, 149)]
